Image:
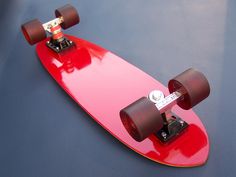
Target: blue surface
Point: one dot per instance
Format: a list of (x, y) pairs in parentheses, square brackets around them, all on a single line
[(44, 133)]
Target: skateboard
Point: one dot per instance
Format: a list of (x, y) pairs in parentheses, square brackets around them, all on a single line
[(155, 121)]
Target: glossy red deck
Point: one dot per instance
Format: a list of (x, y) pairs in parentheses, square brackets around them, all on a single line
[(103, 83)]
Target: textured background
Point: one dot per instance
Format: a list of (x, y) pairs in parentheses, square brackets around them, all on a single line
[(43, 133)]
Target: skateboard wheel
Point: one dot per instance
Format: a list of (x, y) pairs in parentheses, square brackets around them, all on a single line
[(141, 119), (69, 14), (33, 31), (194, 86)]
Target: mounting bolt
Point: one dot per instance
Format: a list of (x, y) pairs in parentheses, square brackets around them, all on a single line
[(181, 122), (163, 134)]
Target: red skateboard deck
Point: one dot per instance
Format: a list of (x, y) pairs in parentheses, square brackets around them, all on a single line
[(103, 84)]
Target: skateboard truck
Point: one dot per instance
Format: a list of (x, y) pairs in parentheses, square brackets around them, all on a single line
[(58, 41), (172, 124), (34, 31), (153, 115)]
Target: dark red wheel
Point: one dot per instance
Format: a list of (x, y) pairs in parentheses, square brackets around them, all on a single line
[(69, 14), (141, 119), (33, 31), (194, 86)]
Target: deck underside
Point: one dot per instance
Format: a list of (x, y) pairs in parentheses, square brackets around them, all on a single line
[(103, 83)]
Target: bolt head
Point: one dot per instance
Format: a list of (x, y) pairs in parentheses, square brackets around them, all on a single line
[(181, 122), (163, 134)]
